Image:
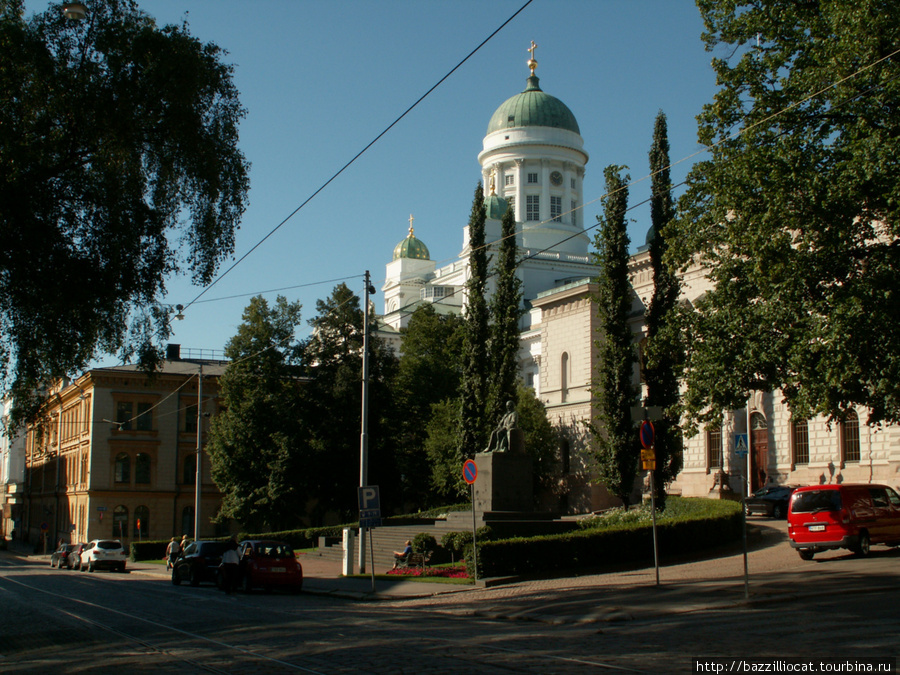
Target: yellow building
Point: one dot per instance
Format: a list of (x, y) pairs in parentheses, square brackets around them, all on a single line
[(114, 455)]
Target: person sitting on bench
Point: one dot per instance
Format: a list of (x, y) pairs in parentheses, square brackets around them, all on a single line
[(400, 556)]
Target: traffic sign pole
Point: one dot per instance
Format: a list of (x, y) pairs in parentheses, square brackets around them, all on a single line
[(470, 474)]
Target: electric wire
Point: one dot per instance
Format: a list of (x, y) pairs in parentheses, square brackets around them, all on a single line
[(357, 155)]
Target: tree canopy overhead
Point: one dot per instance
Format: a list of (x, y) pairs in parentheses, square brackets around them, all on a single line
[(118, 166), (796, 214)]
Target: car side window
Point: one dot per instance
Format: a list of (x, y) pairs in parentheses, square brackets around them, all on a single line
[(190, 549), (893, 497), (879, 498)]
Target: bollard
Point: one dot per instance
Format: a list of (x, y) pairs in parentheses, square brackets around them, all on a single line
[(347, 564)]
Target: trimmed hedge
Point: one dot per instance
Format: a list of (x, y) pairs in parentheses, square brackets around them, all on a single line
[(619, 543)]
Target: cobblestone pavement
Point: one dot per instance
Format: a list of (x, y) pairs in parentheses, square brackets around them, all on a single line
[(836, 605)]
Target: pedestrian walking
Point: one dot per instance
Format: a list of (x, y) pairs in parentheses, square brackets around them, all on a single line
[(172, 551)]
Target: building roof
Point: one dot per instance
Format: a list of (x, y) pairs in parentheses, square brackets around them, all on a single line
[(533, 108)]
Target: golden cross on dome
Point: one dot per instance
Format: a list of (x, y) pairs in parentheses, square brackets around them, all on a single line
[(531, 62), (411, 219)]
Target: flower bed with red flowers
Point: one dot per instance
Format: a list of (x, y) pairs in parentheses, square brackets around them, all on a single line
[(457, 571)]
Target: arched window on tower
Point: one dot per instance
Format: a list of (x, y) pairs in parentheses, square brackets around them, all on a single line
[(564, 377)]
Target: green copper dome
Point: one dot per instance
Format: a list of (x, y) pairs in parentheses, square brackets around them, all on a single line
[(411, 248), (533, 108), (495, 207)]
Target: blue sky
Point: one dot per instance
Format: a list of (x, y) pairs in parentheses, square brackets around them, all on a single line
[(320, 80)]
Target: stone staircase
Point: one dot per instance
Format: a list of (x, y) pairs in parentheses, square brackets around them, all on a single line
[(389, 538)]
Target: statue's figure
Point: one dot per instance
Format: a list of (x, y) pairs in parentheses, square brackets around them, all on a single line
[(502, 435)]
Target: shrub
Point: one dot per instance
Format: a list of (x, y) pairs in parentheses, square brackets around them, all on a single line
[(688, 527), (424, 543)]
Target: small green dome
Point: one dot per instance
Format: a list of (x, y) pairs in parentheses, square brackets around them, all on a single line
[(533, 108), (651, 235), (495, 206), (411, 248)]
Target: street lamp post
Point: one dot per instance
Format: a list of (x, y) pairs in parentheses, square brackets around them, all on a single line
[(363, 437), (199, 449)]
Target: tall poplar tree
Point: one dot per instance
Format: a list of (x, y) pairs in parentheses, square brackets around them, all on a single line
[(613, 391), (662, 358), (472, 435), (505, 312)]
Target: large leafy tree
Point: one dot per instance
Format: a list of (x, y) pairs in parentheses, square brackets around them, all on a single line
[(472, 436), (118, 166), (333, 362), (613, 391), (259, 443), (796, 214), (505, 312), (663, 357), (429, 373)]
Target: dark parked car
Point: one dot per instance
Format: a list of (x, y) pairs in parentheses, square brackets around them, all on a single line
[(771, 501), (199, 562), (73, 560), (58, 557), (268, 564)]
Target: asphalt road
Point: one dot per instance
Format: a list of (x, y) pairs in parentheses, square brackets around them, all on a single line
[(620, 622)]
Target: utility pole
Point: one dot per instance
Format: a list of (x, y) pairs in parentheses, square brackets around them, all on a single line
[(364, 433), (199, 449)]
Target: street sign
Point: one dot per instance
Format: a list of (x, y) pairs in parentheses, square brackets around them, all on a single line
[(369, 506), (470, 471), (369, 498), (647, 434), (740, 445)]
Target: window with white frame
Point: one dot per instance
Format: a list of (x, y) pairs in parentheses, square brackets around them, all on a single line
[(532, 179), (509, 179), (532, 207), (556, 208)]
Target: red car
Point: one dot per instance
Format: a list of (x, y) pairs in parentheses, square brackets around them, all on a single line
[(268, 564), (823, 517)]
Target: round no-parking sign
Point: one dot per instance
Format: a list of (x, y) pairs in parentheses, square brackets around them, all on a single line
[(470, 471)]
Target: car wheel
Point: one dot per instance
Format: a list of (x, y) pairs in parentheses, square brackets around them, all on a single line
[(176, 580), (195, 577), (90, 565), (248, 582), (862, 549), (805, 553), (778, 512), (122, 568)]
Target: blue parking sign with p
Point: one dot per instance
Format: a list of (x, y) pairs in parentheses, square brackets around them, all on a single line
[(369, 498)]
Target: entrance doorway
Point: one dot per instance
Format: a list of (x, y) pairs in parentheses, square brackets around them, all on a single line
[(759, 451)]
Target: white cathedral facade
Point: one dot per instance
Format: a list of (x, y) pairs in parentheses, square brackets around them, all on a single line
[(533, 159)]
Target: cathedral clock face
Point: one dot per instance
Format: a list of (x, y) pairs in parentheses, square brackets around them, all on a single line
[(556, 178)]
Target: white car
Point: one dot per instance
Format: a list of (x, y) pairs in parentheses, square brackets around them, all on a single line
[(103, 553)]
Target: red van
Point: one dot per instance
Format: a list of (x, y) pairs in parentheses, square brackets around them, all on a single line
[(823, 517)]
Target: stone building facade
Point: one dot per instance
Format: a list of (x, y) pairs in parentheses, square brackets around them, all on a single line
[(115, 453)]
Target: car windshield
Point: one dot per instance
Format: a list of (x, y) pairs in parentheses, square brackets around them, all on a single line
[(276, 551), (811, 501)]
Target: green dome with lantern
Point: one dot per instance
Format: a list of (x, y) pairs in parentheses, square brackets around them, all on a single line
[(411, 247)]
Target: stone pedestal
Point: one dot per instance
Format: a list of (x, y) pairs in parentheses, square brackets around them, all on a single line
[(504, 483)]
